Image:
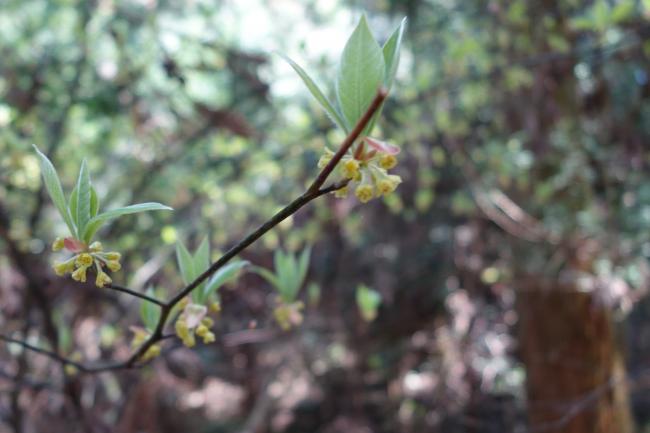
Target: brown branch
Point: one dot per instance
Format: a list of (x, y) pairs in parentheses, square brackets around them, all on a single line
[(134, 293), (314, 191)]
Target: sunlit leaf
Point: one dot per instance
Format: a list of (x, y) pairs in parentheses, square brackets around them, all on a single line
[(53, 186), (361, 73)]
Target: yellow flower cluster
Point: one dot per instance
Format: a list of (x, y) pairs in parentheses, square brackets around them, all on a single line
[(139, 337), (194, 322), (84, 259), (366, 170), (288, 315)]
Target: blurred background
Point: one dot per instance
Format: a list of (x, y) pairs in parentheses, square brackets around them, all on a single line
[(512, 263)]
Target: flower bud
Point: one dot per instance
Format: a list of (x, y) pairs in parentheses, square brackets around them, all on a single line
[(202, 330), (58, 244), (113, 265), (102, 279), (209, 338), (113, 256), (95, 247), (80, 274)]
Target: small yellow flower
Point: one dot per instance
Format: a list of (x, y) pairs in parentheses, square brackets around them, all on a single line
[(95, 247), (181, 329), (388, 184), (103, 279), (350, 169), (113, 265), (215, 307), (139, 336), (80, 274), (387, 161), (58, 244), (84, 260), (324, 160), (113, 256), (209, 338), (62, 268), (151, 352), (364, 192), (341, 193), (207, 322), (202, 330), (189, 341)]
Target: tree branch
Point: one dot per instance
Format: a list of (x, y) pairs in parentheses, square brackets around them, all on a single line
[(313, 192)]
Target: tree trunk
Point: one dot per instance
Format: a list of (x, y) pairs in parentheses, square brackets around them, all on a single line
[(576, 381)]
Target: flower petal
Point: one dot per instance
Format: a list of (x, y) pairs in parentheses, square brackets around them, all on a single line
[(193, 314), (382, 146)]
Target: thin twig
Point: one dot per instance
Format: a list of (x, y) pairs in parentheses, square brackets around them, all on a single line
[(314, 191), (45, 352), (134, 293)]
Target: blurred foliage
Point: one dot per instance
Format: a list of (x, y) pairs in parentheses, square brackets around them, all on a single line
[(524, 129)]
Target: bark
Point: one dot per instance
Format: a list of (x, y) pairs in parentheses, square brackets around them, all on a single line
[(576, 380)]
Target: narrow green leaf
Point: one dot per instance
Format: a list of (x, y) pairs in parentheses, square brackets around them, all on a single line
[(96, 222), (319, 95), (221, 277), (53, 186), (268, 276), (391, 52), (94, 202), (149, 312), (361, 73), (185, 263), (201, 261), (202, 256), (72, 206), (82, 211)]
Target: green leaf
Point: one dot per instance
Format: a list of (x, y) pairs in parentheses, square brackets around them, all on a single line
[(94, 202), (53, 186), (72, 206), (361, 73), (201, 261), (82, 208), (391, 52), (185, 263), (368, 301), (221, 277), (202, 256), (96, 222), (318, 94), (268, 276), (149, 312)]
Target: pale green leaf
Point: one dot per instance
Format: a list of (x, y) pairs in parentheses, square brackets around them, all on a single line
[(221, 277), (368, 301), (319, 95), (391, 52), (361, 73), (185, 263), (96, 222), (149, 312), (53, 186), (94, 202), (201, 262), (82, 208)]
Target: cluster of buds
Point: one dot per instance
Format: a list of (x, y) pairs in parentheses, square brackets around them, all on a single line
[(85, 258), (367, 169), (193, 322), (288, 315), (141, 335)]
